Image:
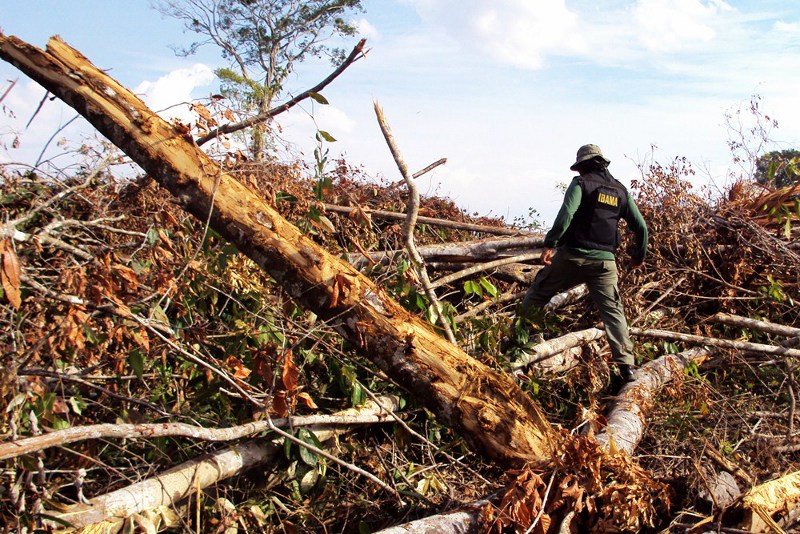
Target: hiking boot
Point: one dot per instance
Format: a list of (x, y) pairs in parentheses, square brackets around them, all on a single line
[(626, 372)]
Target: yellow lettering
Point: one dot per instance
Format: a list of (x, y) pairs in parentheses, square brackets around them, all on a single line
[(608, 199)]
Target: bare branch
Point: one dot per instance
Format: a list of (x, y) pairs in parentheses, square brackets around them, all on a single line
[(357, 53)]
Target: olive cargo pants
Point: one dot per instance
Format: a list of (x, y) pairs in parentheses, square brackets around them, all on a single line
[(568, 270)]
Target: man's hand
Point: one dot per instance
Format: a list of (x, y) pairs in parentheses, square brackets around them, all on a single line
[(547, 256)]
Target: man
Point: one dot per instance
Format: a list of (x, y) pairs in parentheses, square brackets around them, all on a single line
[(581, 248)]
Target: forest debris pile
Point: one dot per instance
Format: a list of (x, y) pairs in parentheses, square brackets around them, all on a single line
[(111, 256), (120, 308)]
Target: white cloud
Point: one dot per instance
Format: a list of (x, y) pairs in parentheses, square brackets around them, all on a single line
[(367, 30), (517, 32), (673, 25), (167, 93), (787, 27)]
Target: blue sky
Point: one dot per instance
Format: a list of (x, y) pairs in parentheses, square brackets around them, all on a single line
[(507, 90)]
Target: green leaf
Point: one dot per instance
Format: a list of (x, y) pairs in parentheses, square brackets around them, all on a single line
[(60, 424), (488, 286), (308, 457), (287, 448), (470, 288), (136, 361), (318, 98), (328, 137)]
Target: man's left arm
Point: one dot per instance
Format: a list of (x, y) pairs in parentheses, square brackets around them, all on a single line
[(639, 228)]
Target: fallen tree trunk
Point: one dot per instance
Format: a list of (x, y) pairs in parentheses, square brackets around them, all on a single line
[(547, 349), (189, 478), (716, 342), (482, 267), (467, 251), (12, 449), (444, 223), (467, 519), (627, 417), (492, 413), (755, 324)]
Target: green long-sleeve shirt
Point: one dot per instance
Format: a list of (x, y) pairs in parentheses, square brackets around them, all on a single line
[(572, 200)]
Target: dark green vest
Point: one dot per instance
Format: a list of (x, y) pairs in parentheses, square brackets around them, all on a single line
[(604, 200)]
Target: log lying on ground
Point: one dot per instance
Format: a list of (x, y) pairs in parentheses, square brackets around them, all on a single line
[(12, 449), (716, 342), (466, 519), (487, 407), (755, 324), (465, 251), (521, 273), (444, 223), (180, 482), (626, 419), (541, 352), (483, 267)]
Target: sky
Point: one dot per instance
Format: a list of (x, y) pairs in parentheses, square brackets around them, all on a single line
[(506, 90)]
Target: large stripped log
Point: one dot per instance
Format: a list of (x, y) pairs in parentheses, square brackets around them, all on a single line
[(444, 223), (626, 419), (466, 251), (487, 407)]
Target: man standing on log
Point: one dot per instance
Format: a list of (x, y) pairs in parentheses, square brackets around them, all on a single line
[(581, 248)]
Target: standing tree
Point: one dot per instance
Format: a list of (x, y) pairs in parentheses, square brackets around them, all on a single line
[(263, 40), (779, 168)]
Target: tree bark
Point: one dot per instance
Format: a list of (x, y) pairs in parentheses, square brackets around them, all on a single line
[(492, 413), (627, 417), (182, 481), (755, 324), (716, 342), (28, 445), (469, 251), (547, 349), (432, 221)]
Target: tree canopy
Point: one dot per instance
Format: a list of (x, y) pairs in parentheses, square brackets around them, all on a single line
[(263, 40)]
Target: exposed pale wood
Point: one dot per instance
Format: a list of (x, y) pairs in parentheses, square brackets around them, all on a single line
[(755, 324), (462, 521), (547, 349), (492, 413), (182, 481), (628, 413), (432, 221), (466, 251), (28, 445), (483, 267), (567, 297), (715, 342), (775, 496)]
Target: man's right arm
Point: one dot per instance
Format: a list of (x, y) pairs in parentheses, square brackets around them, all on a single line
[(639, 228)]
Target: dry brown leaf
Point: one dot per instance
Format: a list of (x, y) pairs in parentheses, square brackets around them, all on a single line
[(239, 370), (307, 400), (290, 373), (10, 273)]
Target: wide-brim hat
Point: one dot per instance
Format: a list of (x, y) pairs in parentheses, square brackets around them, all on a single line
[(587, 152)]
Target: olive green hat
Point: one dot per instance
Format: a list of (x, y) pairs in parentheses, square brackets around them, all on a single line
[(587, 152)]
